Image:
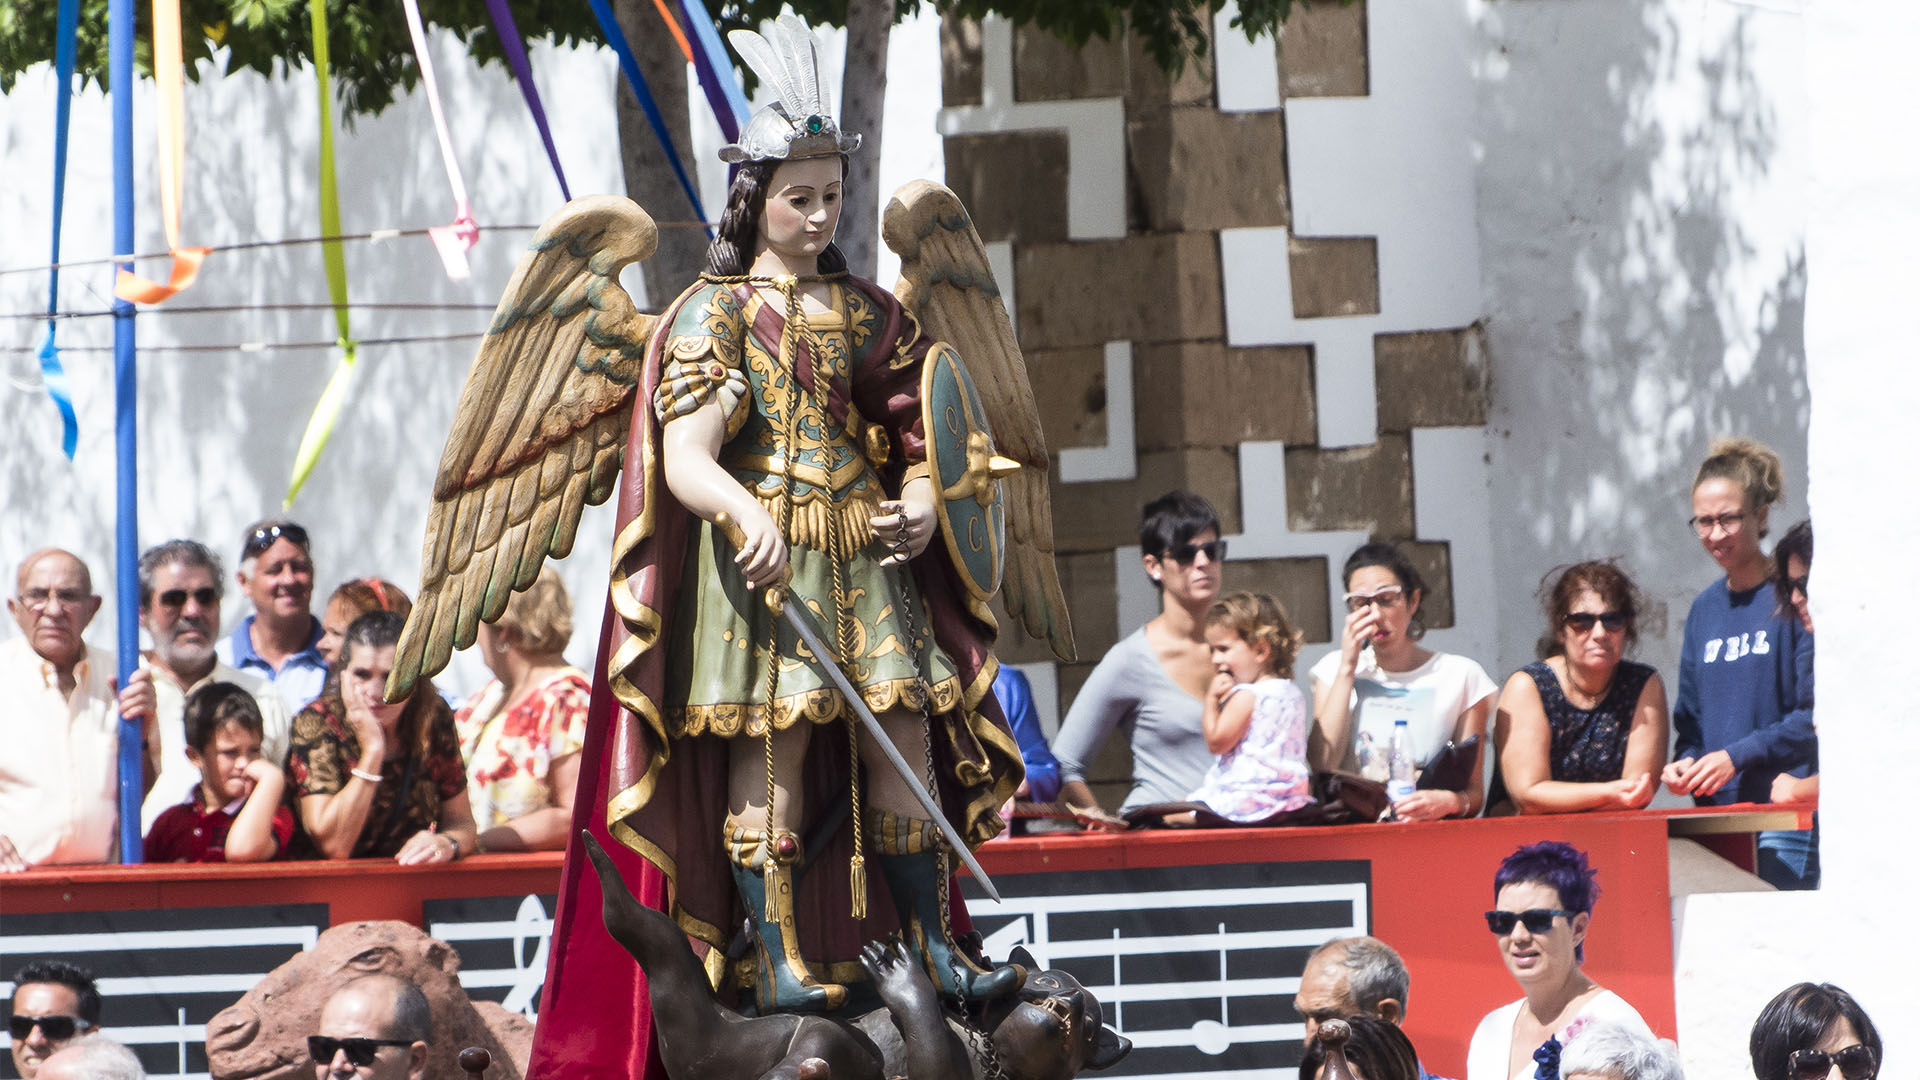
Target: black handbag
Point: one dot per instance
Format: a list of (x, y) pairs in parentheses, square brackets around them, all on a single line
[(1452, 768)]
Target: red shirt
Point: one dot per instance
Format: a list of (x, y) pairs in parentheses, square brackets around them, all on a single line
[(190, 832)]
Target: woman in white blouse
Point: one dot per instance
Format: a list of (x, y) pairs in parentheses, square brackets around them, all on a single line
[(1543, 903)]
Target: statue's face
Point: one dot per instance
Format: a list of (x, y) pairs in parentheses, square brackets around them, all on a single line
[(1053, 1030), (802, 209)]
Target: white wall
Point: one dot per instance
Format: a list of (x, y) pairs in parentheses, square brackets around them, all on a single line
[(218, 430), (1642, 208)]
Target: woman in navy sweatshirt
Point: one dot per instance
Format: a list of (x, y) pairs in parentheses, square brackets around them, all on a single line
[(1744, 711)]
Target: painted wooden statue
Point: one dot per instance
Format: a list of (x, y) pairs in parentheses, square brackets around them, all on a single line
[(785, 428)]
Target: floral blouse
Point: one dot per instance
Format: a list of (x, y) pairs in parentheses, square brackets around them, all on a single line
[(509, 753), (325, 752)]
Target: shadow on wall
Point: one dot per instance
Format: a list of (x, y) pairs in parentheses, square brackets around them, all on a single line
[(1642, 218)]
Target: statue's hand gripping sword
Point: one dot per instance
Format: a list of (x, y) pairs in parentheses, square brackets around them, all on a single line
[(776, 596)]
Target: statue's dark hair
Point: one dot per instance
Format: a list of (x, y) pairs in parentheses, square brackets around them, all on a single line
[(731, 252)]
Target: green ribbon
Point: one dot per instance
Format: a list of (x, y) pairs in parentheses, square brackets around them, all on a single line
[(334, 397)]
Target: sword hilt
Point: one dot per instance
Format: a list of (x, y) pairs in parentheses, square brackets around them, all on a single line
[(776, 594)]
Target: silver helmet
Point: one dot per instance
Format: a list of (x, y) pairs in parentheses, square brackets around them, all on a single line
[(800, 124)]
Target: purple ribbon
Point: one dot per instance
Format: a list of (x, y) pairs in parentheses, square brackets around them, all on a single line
[(516, 51)]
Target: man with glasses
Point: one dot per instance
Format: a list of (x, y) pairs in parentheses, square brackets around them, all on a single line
[(376, 1027), (280, 641), (180, 592), (59, 731), (53, 1001)]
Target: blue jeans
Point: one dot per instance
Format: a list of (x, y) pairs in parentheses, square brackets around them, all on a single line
[(1790, 858)]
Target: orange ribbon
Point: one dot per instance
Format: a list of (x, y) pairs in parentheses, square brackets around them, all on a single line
[(169, 76), (673, 27)]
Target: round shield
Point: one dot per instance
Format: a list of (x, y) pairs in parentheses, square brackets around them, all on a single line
[(966, 474)]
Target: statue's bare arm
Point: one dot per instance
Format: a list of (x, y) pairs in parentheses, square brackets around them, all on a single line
[(690, 458)]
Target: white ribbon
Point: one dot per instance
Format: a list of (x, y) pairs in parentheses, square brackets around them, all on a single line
[(455, 240)]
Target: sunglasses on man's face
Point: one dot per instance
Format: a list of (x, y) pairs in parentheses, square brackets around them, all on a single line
[(56, 1028), (1856, 1063), (360, 1052), (174, 599), (1537, 920), (1186, 553), (1581, 622)]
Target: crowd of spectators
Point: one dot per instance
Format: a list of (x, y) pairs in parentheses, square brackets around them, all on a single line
[(276, 741), (1586, 727)]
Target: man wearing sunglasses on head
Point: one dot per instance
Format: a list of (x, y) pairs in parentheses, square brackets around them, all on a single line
[(60, 727), (376, 1027), (280, 641), (53, 1001), (180, 591)]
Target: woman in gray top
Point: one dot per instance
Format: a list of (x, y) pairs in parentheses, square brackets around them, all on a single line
[(1152, 682)]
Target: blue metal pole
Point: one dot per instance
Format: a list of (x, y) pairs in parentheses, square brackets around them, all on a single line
[(125, 388)]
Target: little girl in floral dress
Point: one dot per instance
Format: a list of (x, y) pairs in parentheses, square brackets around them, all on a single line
[(1255, 718)]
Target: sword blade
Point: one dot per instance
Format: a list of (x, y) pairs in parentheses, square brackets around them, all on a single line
[(823, 660)]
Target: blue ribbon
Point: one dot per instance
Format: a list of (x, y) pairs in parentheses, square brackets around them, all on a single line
[(610, 26), (126, 546), (51, 373), (516, 50), (715, 70)]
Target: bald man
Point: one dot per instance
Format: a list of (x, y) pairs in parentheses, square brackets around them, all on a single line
[(376, 1027), (59, 727)]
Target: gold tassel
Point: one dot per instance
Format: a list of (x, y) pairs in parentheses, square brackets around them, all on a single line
[(858, 869)]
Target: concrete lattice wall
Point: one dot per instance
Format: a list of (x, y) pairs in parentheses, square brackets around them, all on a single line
[(1208, 300)]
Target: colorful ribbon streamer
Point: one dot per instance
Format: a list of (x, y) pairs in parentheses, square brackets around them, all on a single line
[(455, 240), (610, 26), (169, 76), (715, 71), (516, 51), (52, 375), (327, 410)]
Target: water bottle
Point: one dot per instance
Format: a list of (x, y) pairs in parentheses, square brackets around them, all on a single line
[(1399, 763)]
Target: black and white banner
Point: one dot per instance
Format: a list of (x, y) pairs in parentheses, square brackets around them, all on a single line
[(162, 974), (1197, 965)]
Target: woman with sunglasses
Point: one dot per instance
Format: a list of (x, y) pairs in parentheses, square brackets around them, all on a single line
[(1381, 674), (1151, 684), (1744, 710), (1814, 1032), (1583, 729), (1543, 902)]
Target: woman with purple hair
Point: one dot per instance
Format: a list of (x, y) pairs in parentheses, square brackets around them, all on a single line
[(1543, 900)]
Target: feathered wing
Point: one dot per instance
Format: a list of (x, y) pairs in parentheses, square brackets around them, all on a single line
[(946, 282), (540, 431)]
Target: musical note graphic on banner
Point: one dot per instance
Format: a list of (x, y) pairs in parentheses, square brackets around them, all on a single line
[(1197, 965)]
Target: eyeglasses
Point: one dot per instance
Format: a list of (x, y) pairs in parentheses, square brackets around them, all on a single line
[(1798, 585), (1581, 622), (42, 599), (1726, 523), (360, 1052), (1538, 920), (1185, 553), (1385, 598), (56, 1028), (1856, 1063), (177, 598), (263, 537)]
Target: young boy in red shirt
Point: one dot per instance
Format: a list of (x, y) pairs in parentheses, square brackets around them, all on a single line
[(236, 814)]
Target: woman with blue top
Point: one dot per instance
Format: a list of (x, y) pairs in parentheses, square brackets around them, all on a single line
[(1744, 710), (1150, 684)]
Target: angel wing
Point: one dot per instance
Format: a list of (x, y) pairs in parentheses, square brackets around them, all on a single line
[(946, 282), (540, 431)]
